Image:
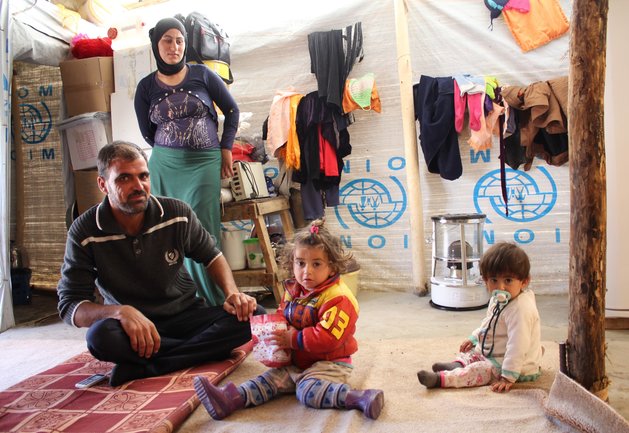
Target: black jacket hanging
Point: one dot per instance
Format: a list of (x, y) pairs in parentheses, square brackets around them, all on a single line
[(434, 109)]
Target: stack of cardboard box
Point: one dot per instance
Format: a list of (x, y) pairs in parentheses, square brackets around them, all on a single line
[(87, 87)]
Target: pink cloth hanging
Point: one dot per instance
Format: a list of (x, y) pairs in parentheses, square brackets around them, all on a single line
[(474, 105), (519, 5)]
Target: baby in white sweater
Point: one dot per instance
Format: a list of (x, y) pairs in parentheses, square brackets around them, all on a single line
[(506, 348)]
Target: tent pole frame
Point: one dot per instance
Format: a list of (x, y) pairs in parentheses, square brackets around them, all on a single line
[(413, 185)]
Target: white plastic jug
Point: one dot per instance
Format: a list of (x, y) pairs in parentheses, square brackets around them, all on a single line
[(255, 258), (233, 248)]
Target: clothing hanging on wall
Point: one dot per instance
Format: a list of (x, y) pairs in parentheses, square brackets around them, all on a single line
[(479, 94), (324, 142), (361, 93), (535, 120), (541, 122), (332, 57), (544, 22), (531, 122), (280, 132), (320, 127), (434, 109)]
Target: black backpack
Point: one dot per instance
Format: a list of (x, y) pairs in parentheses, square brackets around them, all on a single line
[(206, 40)]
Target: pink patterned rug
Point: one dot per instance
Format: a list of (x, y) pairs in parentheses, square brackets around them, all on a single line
[(49, 403)]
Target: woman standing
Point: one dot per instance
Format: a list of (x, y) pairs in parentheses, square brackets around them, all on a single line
[(175, 110)]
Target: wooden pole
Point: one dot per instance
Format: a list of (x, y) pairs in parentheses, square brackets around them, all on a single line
[(410, 148), (588, 215)]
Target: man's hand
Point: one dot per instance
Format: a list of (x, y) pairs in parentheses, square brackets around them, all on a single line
[(240, 305), (502, 385), (236, 303), (143, 335)]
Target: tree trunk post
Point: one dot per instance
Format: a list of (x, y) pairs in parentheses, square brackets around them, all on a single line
[(588, 202)]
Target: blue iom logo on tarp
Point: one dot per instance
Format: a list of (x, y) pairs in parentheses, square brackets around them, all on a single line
[(529, 199), (35, 120), (370, 203)]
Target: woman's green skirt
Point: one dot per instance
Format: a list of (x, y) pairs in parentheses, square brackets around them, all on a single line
[(194, 177)]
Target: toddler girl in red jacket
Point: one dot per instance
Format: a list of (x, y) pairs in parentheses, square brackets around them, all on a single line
[(321, 312)]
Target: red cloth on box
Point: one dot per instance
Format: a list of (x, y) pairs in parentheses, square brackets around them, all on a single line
[(99, 47)]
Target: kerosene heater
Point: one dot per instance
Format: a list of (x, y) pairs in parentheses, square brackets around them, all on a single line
[(457, 247)]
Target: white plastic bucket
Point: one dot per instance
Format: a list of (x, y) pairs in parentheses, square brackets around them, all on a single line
[(234, 249)]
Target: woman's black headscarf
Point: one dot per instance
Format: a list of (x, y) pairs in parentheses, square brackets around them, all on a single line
[(156, 33)]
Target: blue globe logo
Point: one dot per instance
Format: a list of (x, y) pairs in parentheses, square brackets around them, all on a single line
[(35, 126), (370, 203), (527, 202)]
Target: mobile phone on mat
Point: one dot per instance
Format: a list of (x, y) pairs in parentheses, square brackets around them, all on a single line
[(91, 381)]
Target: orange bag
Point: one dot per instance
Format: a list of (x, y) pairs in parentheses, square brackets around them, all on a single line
[(544, 22)]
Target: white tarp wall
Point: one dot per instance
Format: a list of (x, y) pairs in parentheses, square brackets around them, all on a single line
[(452, 37), (446, 38), (269, 53)]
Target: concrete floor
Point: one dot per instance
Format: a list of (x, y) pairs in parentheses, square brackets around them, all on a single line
[(390, 315), (405, 315)]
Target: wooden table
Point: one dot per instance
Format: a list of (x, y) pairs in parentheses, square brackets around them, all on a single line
[(255, 210)]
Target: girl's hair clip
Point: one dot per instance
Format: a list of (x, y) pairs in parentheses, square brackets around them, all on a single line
[(314, 229)]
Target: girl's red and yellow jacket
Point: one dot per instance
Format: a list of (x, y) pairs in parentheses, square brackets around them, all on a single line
[(325, 318)]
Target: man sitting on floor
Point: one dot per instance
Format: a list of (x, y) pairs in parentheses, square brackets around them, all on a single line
[(131, 247)]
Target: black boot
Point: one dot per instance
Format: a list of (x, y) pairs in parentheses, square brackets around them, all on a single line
[(219, 402), (370, 401), (429, 379)]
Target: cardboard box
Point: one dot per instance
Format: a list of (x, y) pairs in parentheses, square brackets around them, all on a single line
[(84, 136), (86, 189), (87, 84)]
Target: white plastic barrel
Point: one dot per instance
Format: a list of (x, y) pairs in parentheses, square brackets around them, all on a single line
[(233, 248)]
